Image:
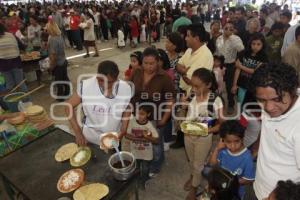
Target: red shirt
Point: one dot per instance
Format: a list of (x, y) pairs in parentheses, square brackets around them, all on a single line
[(134, 29), (13, 24), (128, 72), (74, 22)]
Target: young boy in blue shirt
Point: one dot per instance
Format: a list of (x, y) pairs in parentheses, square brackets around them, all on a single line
[(231, 154)]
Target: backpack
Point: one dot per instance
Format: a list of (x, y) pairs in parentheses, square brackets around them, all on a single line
[(224, 184)]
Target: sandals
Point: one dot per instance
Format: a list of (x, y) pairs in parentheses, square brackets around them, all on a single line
[(188, 185)]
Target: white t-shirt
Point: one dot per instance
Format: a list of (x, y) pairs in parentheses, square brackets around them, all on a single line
[(229, 48), (102, 114), (141, 150), (34, 34), (197, 110), (67, 23), (136, 13), (289, 38), (96, 17), (279, 151), (89, 34), (121, 41), (269, 22)]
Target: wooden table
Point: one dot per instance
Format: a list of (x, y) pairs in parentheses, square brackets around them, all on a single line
[(33, 171)]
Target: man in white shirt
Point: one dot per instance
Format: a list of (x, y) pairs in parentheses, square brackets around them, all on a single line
[(264, 14), (136, 12), (96, 15), (289, 38), (229, 45), (275, 87), (104, 101), (34, 33)]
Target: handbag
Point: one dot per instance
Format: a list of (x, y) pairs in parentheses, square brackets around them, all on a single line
[(44, 64)]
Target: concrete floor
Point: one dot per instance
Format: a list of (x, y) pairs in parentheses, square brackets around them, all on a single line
[(168, 185)]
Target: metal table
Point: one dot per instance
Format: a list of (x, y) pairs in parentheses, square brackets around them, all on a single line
[(33, 171)]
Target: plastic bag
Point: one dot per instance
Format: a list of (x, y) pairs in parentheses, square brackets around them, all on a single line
[(44, 64), (22, 106)]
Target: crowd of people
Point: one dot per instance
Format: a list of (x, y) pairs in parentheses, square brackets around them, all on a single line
[(136, 22), (251, 57)]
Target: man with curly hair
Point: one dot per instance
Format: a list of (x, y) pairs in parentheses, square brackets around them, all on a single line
[(275, 87)]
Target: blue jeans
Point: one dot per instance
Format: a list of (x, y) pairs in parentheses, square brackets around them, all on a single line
[(14, 77), (158, 151)]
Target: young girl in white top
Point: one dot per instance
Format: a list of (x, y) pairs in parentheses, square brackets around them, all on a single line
[(205, 107), (219, 71), (89, 35), (121, 41), (143, 32)]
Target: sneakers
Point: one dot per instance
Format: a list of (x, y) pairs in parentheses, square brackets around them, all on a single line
[(86, 55), (188, 184), (167, 146), (152, 174)]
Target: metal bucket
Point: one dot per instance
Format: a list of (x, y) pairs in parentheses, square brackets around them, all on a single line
[(125, 173)]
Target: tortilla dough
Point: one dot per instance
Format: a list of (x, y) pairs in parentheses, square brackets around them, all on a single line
[(34, 110), (65, 152), (94, 191)]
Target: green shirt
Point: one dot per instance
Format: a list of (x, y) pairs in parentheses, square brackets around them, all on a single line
[(274, 48)]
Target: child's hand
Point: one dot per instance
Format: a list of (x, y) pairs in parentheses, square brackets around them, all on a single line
[(147, 134), (220, 145), (254, 154)]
